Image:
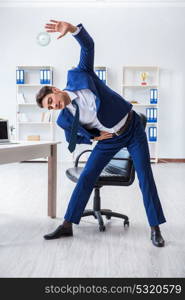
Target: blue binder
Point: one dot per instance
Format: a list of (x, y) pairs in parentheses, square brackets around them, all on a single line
[(48, 77), (153, 96), (17, 77), (104, 76), (151, 114), (152, 134), (20, 76), (101, 73), (45, 76), (41, 76), (155, 115)]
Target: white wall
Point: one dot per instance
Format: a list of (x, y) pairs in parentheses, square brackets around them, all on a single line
[(123, 36)]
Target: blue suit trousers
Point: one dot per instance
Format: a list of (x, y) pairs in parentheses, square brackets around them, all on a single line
[(135, 139)]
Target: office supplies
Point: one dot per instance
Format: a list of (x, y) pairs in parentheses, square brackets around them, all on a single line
[(33, 138)]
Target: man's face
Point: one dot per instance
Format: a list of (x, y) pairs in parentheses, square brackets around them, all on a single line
[(56, 100)]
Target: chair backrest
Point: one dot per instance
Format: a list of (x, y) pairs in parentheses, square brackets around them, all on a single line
[(120, 170)]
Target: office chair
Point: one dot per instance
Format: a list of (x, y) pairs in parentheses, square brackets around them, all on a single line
[(118, 172)]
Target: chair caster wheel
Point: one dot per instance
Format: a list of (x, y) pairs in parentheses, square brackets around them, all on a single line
[(102, 228), (126, 223), (108, 217)]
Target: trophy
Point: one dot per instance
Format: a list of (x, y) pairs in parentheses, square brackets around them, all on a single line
[(144, 76)]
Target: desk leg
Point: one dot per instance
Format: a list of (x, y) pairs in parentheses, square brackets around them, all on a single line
[(52, 181)]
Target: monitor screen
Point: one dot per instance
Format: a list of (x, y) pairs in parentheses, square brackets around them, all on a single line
[(3, 130)]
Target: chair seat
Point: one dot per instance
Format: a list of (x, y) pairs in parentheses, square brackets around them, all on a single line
[(74, 173), (116, 171)]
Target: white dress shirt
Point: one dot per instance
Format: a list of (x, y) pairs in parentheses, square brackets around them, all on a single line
[(87, 111)]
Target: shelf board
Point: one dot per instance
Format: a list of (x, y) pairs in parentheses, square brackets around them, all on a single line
[(27, 104), (155, 160), (138, 104), (32, 85), (100, 68), (36, 123), (33, 67), (152, 142), (139, 86), (141, 67)]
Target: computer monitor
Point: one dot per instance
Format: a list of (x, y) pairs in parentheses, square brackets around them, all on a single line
[(4, 131)]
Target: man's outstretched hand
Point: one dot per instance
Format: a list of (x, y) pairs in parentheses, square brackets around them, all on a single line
[(60, 26)]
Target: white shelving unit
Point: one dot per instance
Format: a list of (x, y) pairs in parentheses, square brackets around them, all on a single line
[(32, 121), (137, 89), (101, 72)]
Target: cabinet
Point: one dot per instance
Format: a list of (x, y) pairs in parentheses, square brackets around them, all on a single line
[(32, 122), (140, 86)]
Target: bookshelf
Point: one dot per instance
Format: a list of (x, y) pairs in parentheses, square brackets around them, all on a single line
[(32, 122), (140, 86)]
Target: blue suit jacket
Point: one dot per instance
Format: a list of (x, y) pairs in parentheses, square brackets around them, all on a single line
[(111, 107)]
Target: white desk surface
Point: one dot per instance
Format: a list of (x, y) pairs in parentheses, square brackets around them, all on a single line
[(27, 144), (25, 150)]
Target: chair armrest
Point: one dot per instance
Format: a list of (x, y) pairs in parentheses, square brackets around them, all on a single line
[(78, 157)]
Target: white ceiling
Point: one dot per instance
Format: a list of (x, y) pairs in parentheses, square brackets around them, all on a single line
[(45, 3)]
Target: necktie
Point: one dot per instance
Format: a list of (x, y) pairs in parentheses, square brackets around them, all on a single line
[(73, 137)]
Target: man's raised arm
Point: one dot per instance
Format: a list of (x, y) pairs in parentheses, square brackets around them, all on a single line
[(86, 62), (86, 42)]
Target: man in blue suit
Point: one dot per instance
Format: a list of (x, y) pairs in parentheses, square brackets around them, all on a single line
[(90, 110)]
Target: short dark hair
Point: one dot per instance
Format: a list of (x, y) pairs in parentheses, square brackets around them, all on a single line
[(44, 91)]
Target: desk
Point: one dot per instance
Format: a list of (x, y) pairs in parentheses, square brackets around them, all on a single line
[(30, 150)]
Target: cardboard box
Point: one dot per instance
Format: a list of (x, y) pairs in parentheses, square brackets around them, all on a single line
[(33, 137)]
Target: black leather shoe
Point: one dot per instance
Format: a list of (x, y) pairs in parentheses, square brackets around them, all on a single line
[(61, 231), (157, 238)]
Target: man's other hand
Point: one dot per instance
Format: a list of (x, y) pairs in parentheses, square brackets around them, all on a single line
[(103, 136), (60, 26)]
